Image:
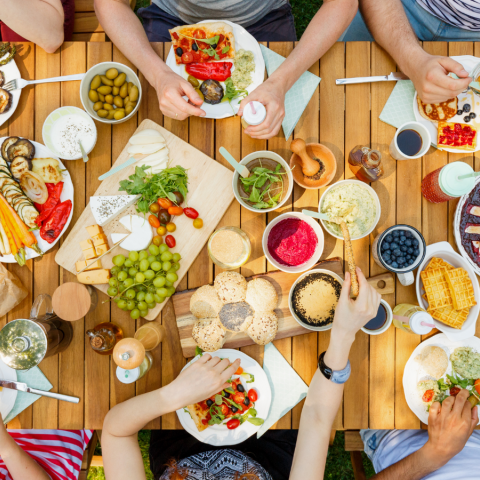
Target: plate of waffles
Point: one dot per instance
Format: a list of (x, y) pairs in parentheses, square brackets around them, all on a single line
[(447, 288), (454, 125)]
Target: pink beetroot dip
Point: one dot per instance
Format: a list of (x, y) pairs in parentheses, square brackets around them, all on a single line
[(292, 242)]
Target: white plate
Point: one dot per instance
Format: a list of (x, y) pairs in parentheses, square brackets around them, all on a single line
[(469, 63), (445, 251), (219, 435), (11, 72), (242, 40), (414, 373), (41, 151), (7, 395)]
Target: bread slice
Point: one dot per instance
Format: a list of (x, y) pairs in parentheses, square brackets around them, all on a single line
[(436, 112)]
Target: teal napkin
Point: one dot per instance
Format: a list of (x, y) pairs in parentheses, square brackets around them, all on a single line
[(399, 107), (297, 98), (33, 378), (287, 387)]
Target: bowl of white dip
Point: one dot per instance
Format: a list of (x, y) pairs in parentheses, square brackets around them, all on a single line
[(64, 127), (356, 203)]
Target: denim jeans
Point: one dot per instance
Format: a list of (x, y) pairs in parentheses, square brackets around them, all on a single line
[(427, 27)]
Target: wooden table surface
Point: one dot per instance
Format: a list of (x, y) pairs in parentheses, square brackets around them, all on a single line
[(339, 117)]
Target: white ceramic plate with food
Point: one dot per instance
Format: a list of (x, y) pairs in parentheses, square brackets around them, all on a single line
[(414, 372), (7, 395), (11, 72), (445, 251), (41, 151), (220, 435), (243, 40), (469, 62)]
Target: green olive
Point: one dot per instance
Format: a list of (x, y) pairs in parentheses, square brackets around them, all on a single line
[(107, 106), (104, 90), (118, 101), (129, 109), (130, 85), (96, 82), (97, 106), (130, 104), (133, 94), (119, 114), (126, 100), (101, 97), (120, 80), (124, 90), (109, 99), (93, 96), (193, 81), (111, 113), (115, 91), (200, 94), (106, 81), (112, 73), (102, 113)]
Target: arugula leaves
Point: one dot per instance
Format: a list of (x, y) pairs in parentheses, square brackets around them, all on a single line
[(461, 382), (211, 52), (198, 351), (232, 92)]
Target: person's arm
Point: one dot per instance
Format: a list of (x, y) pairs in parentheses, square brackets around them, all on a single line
[(450, 425), (122, 459), (41, 21), (323, 31), (324, 396), (125, 30), (390, 27)]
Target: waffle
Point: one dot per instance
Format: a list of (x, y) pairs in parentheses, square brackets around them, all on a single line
[(436, 288), (461, 288), (436, 262), (449, 316)]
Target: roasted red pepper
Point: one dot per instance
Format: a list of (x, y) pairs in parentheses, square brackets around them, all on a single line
[(54, 192), (219, 71), (52, 228)]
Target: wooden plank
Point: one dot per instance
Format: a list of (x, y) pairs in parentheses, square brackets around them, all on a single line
[(89, 37), (353, 441), (84, 6), (86, 22)]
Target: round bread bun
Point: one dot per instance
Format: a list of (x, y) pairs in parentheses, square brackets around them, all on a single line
[(433, 360), (236, 317), (261, 295), (231, 287), (263, 328), (205, 302), (209, 334)]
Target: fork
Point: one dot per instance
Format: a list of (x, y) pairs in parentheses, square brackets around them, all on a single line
[(19, 83)]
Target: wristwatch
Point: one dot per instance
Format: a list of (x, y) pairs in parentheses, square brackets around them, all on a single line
[(336, 376)]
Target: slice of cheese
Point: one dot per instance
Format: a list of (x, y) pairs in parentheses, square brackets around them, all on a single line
[(89, 254), (141, 235), (86, 244), (81, 264), (106, 208), (117, 237), (473, 229), (100, 239), (94, 230), (94, 277), (156, 161), (146, 137), (145, 149), (101, 249)]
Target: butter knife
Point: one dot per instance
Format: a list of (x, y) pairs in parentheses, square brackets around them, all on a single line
[(23, 387), (116, 169), (381, 78)]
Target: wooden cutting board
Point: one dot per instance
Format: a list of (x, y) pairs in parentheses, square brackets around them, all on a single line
[(210, 192), (287, 325)]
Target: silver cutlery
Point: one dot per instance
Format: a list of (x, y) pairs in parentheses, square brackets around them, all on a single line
[(19, 83), (23, 387), (381, 78)]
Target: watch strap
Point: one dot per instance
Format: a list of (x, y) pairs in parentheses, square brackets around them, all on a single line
[(336, 376)]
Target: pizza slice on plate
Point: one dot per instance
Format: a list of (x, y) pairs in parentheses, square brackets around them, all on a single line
[(203, 42), (198, 414)]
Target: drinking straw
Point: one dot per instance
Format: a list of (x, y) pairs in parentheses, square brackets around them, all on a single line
[(252, 106), (469, 175), (426, 324)]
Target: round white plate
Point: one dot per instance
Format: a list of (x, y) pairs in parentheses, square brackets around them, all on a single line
[(469, 63), (242, 40), (41, 151), (220, 435), (7, 395), (11, 72), (414, 373)]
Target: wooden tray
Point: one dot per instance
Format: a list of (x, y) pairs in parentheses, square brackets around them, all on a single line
[(287, 325), (203, 174)]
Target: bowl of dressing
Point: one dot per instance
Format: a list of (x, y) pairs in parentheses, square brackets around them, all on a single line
[(64, 127)]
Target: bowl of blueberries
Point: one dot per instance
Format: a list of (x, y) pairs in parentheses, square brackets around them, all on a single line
[(400, 249)]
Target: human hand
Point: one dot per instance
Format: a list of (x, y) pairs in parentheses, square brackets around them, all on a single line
[(271, 94), (170, 89)]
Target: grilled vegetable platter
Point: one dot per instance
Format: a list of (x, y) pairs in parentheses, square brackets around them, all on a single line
[(8, 72), (36, 199)]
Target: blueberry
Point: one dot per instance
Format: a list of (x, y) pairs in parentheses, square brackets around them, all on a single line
[(401, 243), (416, 252), (410, 250), (386, 258), (393, 258), (403, 248), (401, 261), (467, 107), (459, 112), (466, 118), (411, 261), (408, 234), (387, 252), (408, 243), (403, 238), (179, 51), (397, 252), (472, 115), (385, 246), (389, 238), (394, 245), (394, 265), (395, 233), (401, 233), (415, 242), (408, 257)]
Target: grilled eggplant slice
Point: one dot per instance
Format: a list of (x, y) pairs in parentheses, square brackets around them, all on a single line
[(6, 143), (5, 100), (212, 91), (21, 148), (19, 166), (2, 78)]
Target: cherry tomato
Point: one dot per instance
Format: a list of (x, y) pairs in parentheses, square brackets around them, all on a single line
[(175, 211), (161, 230), (190, 212), (157, 239), (427, 396), (239, 371), (239, 397), (252, 395), (204, 421), (187, 57), (164, 216), (233, 423), (178, 198), (171, 227), (154, 207), (224, 409), (454, 391), (198, 223), (477, 385), (153, 221), (170, 241), (233, 385), (165, 203)]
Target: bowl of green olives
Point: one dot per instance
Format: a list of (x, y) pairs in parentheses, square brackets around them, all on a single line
[(110, 92)]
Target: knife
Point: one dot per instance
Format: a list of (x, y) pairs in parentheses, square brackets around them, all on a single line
[(23, 387), (116, 169), (381, 78)]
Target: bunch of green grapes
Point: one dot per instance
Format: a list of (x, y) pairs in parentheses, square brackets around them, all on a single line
[(143, 279)]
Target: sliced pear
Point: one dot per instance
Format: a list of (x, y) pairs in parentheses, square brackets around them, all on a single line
[(145, 149)]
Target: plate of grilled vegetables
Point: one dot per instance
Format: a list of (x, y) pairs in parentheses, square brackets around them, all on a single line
[(8, 72)]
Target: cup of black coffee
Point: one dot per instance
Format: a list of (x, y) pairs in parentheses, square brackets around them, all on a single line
[(412, 140), (382, 320)]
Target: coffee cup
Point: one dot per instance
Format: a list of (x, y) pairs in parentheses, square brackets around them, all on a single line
[(412, 140), (381, 322)]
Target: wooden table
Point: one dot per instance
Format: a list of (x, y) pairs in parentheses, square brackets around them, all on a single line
[(339, 117)]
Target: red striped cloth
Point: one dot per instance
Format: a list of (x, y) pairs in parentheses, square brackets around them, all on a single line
[(59, 452)]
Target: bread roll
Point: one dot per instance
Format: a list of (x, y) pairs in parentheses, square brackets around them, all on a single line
[(205, 302), (209, 334), (261, 295), (231, 287), (263, 328)]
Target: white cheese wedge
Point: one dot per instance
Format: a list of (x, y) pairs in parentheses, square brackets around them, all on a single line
[(145, 149), (473, 229), (142, 233), (475, 211), (146, 137), (106, 208), (117, 237)]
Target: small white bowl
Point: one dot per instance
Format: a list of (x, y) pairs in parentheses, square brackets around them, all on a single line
[(101, 69), (290, 306), (272, 156), (51, 120), (387, 324), (316, 255), (372, 193)]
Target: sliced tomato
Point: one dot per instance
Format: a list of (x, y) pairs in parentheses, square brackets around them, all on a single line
[(239, 397), (253, 395), (477, 385), (454, 391), (224, 409), (199, 33), (175, 35), (427, 396), (204, 421), (187, 57), (203, 405), (233, 423)]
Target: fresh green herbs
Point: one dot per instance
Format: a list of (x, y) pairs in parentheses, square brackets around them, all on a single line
[(152, 187), (460, 382), (226, 49), (251, 378), (198, 351), (232, 92), (213, 42)]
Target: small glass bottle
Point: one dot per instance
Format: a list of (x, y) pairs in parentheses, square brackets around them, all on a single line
[(133, 374), (254, 113), (412, 319), (104, 337), (366, 163)]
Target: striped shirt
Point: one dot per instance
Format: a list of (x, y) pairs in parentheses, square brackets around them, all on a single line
[(58, 452), (459, 13)]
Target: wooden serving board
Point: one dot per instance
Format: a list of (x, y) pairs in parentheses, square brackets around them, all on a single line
[(210, 192), (287, 325)]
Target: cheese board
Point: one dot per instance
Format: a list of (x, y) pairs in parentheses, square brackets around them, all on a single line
[(287, 325), (203, 172)]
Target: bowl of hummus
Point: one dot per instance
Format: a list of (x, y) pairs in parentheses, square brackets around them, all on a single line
[(353, 201)]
